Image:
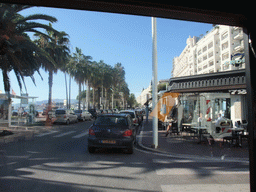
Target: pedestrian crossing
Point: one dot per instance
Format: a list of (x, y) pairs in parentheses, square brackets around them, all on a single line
[(59, 134), (206, 187), (198, 169), (64, 134), (176, 167)]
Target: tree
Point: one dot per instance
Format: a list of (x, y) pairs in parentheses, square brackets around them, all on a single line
[(132, 101), (17, 51), (56, 45), (161, 87), (79, 69)]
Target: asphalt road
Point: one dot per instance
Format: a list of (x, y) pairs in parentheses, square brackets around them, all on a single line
[(58, 160)]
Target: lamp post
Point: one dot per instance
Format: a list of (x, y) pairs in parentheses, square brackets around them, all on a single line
[(154, 85)]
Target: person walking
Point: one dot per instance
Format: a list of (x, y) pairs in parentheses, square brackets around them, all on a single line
[(169, 120)]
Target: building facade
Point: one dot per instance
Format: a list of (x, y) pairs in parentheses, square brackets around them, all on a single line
[(144, 96), (221, 49), (209, 75)]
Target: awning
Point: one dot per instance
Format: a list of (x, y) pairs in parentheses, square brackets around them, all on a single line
[(212, 82)]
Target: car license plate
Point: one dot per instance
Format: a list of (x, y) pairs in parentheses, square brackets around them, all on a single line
[(109, 141)]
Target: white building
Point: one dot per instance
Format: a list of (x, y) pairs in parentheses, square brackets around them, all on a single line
[(210, 74), (211, 53), (145, 94)]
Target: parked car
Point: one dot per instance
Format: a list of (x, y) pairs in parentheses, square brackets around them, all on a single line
[(14, 112), (65, 116), (94, 113), (83, 115), (134, 116), (115, 111), (112, 131)]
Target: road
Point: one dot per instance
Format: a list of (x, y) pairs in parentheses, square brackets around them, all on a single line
[(58, 160)]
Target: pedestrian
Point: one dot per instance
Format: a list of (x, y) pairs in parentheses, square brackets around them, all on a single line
[(219, 119), (169, 120), (200, 119)]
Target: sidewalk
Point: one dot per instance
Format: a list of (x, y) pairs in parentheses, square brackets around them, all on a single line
[(187, 146), (21, 133)]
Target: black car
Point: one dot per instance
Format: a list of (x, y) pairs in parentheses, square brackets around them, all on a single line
[(112, 131), (93, 112)]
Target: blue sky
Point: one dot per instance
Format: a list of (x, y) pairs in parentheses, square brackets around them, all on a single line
[(115, 38)]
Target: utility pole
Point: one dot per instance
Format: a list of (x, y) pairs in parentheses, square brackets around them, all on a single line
[(154, 85)]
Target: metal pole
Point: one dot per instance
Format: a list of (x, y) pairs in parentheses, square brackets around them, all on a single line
[(154, 86)]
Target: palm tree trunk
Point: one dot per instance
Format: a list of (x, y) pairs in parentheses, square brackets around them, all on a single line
[(79, 95), (66, 89), (93, 97), (50, 78), (50, 89), (99, 98), (87, 94), (69, 104)]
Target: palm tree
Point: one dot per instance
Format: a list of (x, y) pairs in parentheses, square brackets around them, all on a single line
[(17, 51), (95, 79), (80, 70), (56, 45)]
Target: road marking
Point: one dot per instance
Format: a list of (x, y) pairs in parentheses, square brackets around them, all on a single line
[(206, 187), (189, 171), (47, 133), (63, 134), (170, 161), (81, 135)]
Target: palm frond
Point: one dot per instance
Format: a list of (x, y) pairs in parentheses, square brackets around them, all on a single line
[(36, 17), (32, 25)]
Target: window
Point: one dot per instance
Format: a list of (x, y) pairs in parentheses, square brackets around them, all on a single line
[(204, 57), (210, 45), (210, 54), (110, 121), (60, 112), (224, 35), (225, 56), (199, 52), (225, 45), (205, 49), (211, 63)]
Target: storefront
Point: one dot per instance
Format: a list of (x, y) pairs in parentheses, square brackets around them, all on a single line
[(202, 98)]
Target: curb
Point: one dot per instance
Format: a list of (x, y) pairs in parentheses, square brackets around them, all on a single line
[(186, 156)]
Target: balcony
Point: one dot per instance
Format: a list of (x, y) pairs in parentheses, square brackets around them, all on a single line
[(239, 36), (239, 47)]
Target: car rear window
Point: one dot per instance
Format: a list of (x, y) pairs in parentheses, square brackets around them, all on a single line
[(130, 113), (59, 112), (111, 121)]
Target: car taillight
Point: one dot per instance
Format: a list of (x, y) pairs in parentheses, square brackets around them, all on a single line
[(91, 132), (65, 116), (127, 133), (134, 120)]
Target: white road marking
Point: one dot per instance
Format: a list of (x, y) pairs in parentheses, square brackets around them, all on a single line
[(81, 135), (188, 171), (63, 134), (170, 161), (206, 187), (47, 133)]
